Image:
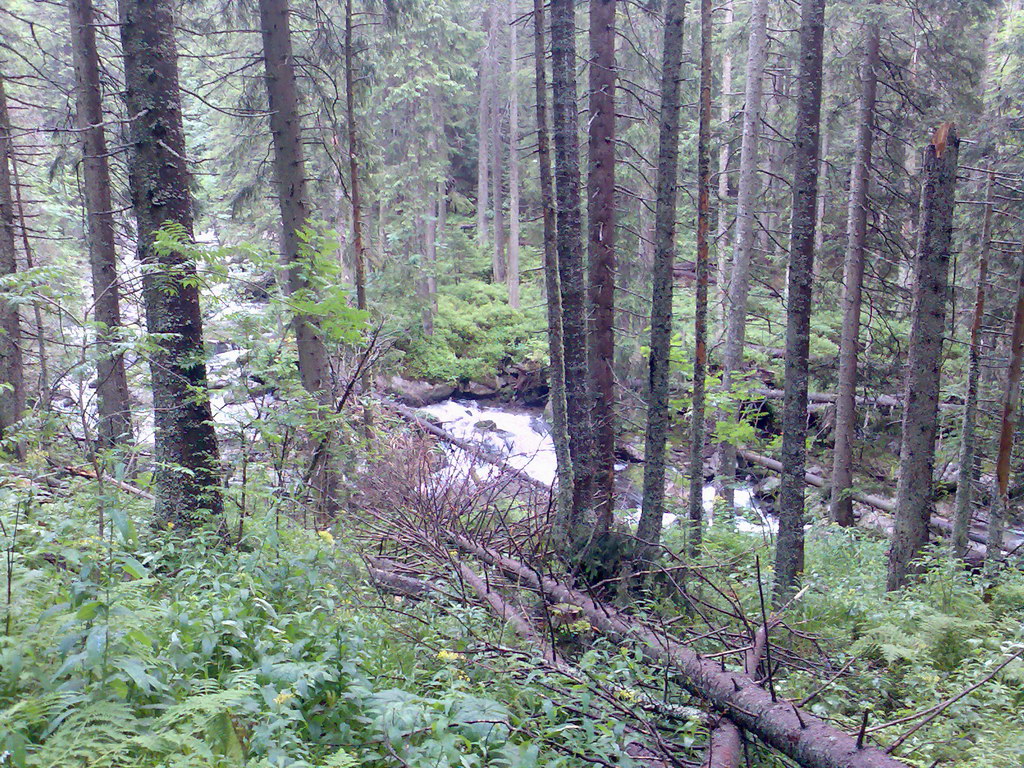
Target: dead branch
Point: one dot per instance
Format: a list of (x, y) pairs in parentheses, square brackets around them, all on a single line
[(802, 736)]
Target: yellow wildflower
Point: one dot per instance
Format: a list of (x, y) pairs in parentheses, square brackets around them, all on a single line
[(283, 698), (626, 694), (170, 526), (450, 656), (327, 537)]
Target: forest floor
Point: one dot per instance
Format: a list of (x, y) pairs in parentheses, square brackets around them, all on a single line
[(142, 647)]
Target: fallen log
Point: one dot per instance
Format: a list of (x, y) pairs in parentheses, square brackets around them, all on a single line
[(725, 748), (119, 484), (473, 450), (388, 578), (800, 735), (941, 524)]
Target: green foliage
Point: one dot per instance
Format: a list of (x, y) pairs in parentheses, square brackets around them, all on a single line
[(475, 333), (140, 648)]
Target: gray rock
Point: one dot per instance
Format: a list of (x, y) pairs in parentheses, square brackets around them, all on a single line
[(417, 394)]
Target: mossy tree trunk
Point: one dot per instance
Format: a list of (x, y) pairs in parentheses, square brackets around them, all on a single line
[(648, 530), (789, 553), (186, 461), (924, 357)]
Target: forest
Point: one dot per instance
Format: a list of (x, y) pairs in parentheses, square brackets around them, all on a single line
[(512, 384)]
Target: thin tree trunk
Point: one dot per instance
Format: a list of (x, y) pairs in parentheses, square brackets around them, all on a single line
[(513, 161), (648, 530), (968, 444), (1008, 425), (722, 238), (353, 182), (186, 461), (700, 323), (556, 376), (497, 158), (789, 553), (12, 373), (739, 282), (924, 357), (601, 252), (43, 382), (570, 258), (841, 507), (115, 424), (482, 127)]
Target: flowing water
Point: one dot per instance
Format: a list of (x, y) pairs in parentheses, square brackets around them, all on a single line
[(523, 440)]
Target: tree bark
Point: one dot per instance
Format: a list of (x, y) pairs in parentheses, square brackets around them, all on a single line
[(722, 237), (739, 281), (700, 323), (924, 357), (296, 218), (1008, 425), (556, 366), (292, 194), (186, 460), (579, 398), (499, 268), (968, 444), (12, 373), (482, 127), (648, 530), (789, 553), (841, 507), (512, 277), (601, 252)]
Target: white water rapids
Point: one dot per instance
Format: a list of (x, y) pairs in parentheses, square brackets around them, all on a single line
[(524, 441)]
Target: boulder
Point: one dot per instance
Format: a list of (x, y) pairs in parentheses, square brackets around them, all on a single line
[(417, 394), (481, 389)]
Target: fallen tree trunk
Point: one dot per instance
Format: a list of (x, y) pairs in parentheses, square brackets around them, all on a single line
[(725, 748), (473, 450), (802, 736), (827, 398), (941, 524), (389, 579)]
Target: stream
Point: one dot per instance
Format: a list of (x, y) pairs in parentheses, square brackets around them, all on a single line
[(523, 439)]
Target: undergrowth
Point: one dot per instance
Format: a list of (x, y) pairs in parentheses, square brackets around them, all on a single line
[(145, 648)]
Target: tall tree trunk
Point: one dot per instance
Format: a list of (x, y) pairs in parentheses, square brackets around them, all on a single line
[(924, 357), (601, 252), (739, 281), (1008, 425), (186, 461), (556, 376), (789, 557), (292, 194), (570, 258), (296, 215), (513, 161), (497, 157), (648, 530), (354, 185), (12, 373), (841, 507), (483, 117), (700, 323), (722, 237), (43, 382), (968, 443)]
